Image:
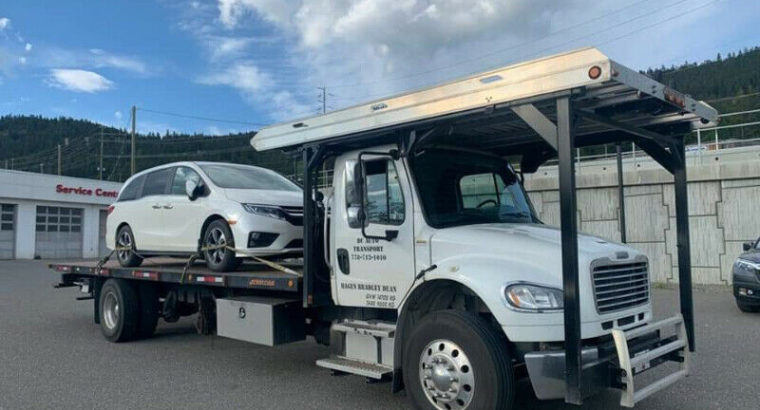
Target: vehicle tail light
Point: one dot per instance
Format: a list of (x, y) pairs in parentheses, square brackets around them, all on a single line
[(110, 209)]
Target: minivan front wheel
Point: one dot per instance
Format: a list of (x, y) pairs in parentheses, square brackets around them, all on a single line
[(218, 246)]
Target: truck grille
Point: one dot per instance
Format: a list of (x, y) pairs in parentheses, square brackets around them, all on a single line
[(619, 286)]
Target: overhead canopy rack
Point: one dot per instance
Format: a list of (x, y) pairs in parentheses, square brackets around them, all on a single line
[(537, 110)]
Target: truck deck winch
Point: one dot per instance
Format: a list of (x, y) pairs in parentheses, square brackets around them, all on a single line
[(425, 262)]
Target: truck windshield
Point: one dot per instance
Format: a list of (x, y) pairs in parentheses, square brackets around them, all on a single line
[(464, 188), (243, 177)]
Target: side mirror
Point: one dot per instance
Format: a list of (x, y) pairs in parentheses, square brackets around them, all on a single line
[(191, 189), (355, 215), (354, 184), (747, 246)]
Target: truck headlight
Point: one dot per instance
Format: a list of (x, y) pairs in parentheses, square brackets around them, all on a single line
[(263, 210), (534, 297)]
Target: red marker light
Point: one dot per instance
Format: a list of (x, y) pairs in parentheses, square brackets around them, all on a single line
[(594, 72), (110, 209)]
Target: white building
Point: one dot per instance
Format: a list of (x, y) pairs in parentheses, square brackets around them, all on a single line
[(51, 216)]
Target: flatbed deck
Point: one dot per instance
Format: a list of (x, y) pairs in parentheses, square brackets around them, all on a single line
[(250, 275)]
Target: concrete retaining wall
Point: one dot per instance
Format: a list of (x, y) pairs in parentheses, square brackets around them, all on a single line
[(724, 211)]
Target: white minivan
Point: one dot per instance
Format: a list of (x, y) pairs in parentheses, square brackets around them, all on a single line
[(221, 211)]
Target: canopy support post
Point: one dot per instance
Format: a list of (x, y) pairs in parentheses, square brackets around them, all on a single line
[(568, 212), (682, 234), (621, 193)]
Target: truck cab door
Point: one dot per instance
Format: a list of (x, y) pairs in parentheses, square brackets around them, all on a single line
[(373, 265)]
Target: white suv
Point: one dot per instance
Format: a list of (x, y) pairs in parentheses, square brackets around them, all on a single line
[(186, 207)]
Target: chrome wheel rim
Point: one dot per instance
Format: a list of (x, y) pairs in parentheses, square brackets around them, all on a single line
[(446, 375), (215, 237), (111, 311), (124, 241)]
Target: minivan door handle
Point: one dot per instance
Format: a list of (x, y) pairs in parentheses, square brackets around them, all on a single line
[(168, 206), (156, 206), (343, 261)]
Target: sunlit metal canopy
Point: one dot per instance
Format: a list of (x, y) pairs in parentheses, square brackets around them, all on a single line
[(516, 100)]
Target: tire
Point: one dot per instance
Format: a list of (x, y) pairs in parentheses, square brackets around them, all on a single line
[(148, 296), (459, 345), (119, 310), (125, 238), (219, 260), (746, 308)]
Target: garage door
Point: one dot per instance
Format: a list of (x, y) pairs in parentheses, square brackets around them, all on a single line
[(7, 230), (102, 233), (59, 232)]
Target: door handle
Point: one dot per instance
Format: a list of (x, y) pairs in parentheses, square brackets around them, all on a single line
[(343, 261), (168, 206), (156, 206)]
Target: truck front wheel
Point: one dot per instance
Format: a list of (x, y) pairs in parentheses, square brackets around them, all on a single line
[(119, 310), (454, 360)]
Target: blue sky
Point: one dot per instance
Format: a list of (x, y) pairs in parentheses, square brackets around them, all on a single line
[(262, 61)]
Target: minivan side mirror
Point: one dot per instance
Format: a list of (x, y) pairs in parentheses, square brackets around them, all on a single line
[(747, 246), (191, 189)]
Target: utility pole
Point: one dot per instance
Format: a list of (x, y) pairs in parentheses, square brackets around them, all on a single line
[(323, 97), (59, 159), (133, 167), (100, 166)]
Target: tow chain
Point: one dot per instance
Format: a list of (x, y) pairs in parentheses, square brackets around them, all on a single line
[(271, 264)]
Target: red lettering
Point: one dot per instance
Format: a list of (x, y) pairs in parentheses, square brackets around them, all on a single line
[(86, 191)]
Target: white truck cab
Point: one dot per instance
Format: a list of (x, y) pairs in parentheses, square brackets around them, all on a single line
[(463, 217)]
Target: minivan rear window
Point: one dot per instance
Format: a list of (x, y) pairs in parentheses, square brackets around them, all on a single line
[(157, 182), (132, 190)]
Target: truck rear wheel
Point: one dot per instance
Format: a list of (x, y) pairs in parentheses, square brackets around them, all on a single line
[(453, 360), (119, 310)]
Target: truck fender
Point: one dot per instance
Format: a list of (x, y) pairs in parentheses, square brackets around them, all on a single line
[(483, 275)]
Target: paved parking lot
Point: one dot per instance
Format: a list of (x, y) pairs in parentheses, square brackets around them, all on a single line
[(52, 356)]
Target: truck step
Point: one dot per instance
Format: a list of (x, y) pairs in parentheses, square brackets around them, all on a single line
[(642, 361), (379, 329), (371, 370)]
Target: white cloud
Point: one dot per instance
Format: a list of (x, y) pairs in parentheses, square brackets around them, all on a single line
[(244, 76), (257, 88), (22, 60), (118, 115), (28, 47), (79, 80), (5, 22), (55, 57)]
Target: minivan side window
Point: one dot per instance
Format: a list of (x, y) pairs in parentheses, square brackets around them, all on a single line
[(384, 199), (181, 176), (132, 190), (156, 183)]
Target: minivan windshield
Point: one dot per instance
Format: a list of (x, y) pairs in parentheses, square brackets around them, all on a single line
[(463, 188), (243, 177)]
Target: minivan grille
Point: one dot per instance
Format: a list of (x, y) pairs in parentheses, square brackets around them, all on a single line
[(619, 286), (293, 214)]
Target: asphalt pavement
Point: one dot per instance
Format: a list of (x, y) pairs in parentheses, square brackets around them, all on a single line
[(52, 356)]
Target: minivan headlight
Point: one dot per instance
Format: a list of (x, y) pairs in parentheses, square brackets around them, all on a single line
[(534, 297), (263, 210)]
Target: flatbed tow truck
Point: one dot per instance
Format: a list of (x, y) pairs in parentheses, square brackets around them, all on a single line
[(425, 263)]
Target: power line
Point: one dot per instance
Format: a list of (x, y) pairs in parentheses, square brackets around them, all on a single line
[(499, 51), (198, 117), (594, 34)]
